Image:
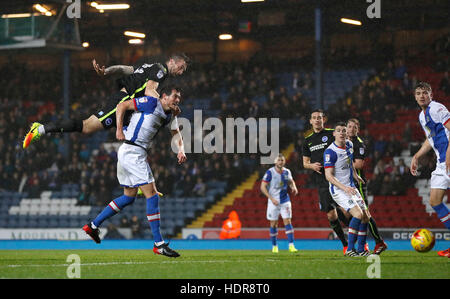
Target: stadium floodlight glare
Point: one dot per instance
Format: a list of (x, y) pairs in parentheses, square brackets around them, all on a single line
[(248, 1), (111, 6), (19, 15), (85, 45), (225, 36), (135, 41), (350, 21), (42, 10), (134, 34)]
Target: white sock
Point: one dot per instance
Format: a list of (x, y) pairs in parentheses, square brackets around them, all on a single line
[(93, 225), (159, 243)]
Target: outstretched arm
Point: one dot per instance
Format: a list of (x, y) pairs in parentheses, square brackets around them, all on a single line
[(114, 70)]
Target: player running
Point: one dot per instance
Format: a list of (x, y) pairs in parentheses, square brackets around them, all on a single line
[(359, 153), (133, 171), (274, 186), (313, 148), (133, 83), (341, 173), (435, 121)]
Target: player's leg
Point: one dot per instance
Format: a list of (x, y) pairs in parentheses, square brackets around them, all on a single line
[(286, 215), (272, 214), (328, 205), (440, 181), (153, 217), (274, 235), (436, 202), (442, 212), (114, 207), (380, 245), (362, 232), (289, 230), (353, 230), (102, 120)]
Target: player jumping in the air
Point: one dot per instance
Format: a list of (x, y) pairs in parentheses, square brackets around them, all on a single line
[(435, 121), (133, 171), (133, 83)]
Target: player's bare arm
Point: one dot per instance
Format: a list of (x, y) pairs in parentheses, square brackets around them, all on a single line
[(329, 175), (178, 141), (317, 167), (293, 187), (358, 163), (120, 112), (114, 70), (150, 89), (425, 148), (356, 175), (266, 193)]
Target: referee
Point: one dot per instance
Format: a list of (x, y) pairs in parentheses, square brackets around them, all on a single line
[(313, 149), (132, 83), (359, 152)]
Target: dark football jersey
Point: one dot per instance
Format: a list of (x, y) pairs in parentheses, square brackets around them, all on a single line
[(135, 83), (359, 152), (314, 147)]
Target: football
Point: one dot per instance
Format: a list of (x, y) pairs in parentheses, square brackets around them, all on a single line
[(422, 240)]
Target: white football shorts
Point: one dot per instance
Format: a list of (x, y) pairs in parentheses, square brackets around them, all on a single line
[(273, 211), (346, 201), (132, 166), (440, 178)]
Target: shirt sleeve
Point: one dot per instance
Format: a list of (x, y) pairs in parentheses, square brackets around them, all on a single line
[(289, 175), (441, 114), (359, 150), (329, 158), (145, 104), (267, 177)]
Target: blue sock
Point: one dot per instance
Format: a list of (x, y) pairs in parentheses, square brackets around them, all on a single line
[(273, 235), (353, 229), (362, 236), (443, 214), (290, 233), (153, 217), (112, 209)]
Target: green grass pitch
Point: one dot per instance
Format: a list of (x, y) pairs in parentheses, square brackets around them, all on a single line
[(220, 264)]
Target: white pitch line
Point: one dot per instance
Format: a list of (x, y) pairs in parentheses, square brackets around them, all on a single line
[(109, 264)]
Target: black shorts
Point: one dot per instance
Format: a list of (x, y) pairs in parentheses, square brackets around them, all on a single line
[(107, 114), (326, 202)]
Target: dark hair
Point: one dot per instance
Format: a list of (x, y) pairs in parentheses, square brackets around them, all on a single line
[(340, 124), (167, 89), (183, 56), (423, 85), (318, 110)]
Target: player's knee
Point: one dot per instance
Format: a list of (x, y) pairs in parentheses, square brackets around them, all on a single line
[(435, 200), (332, 215)]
